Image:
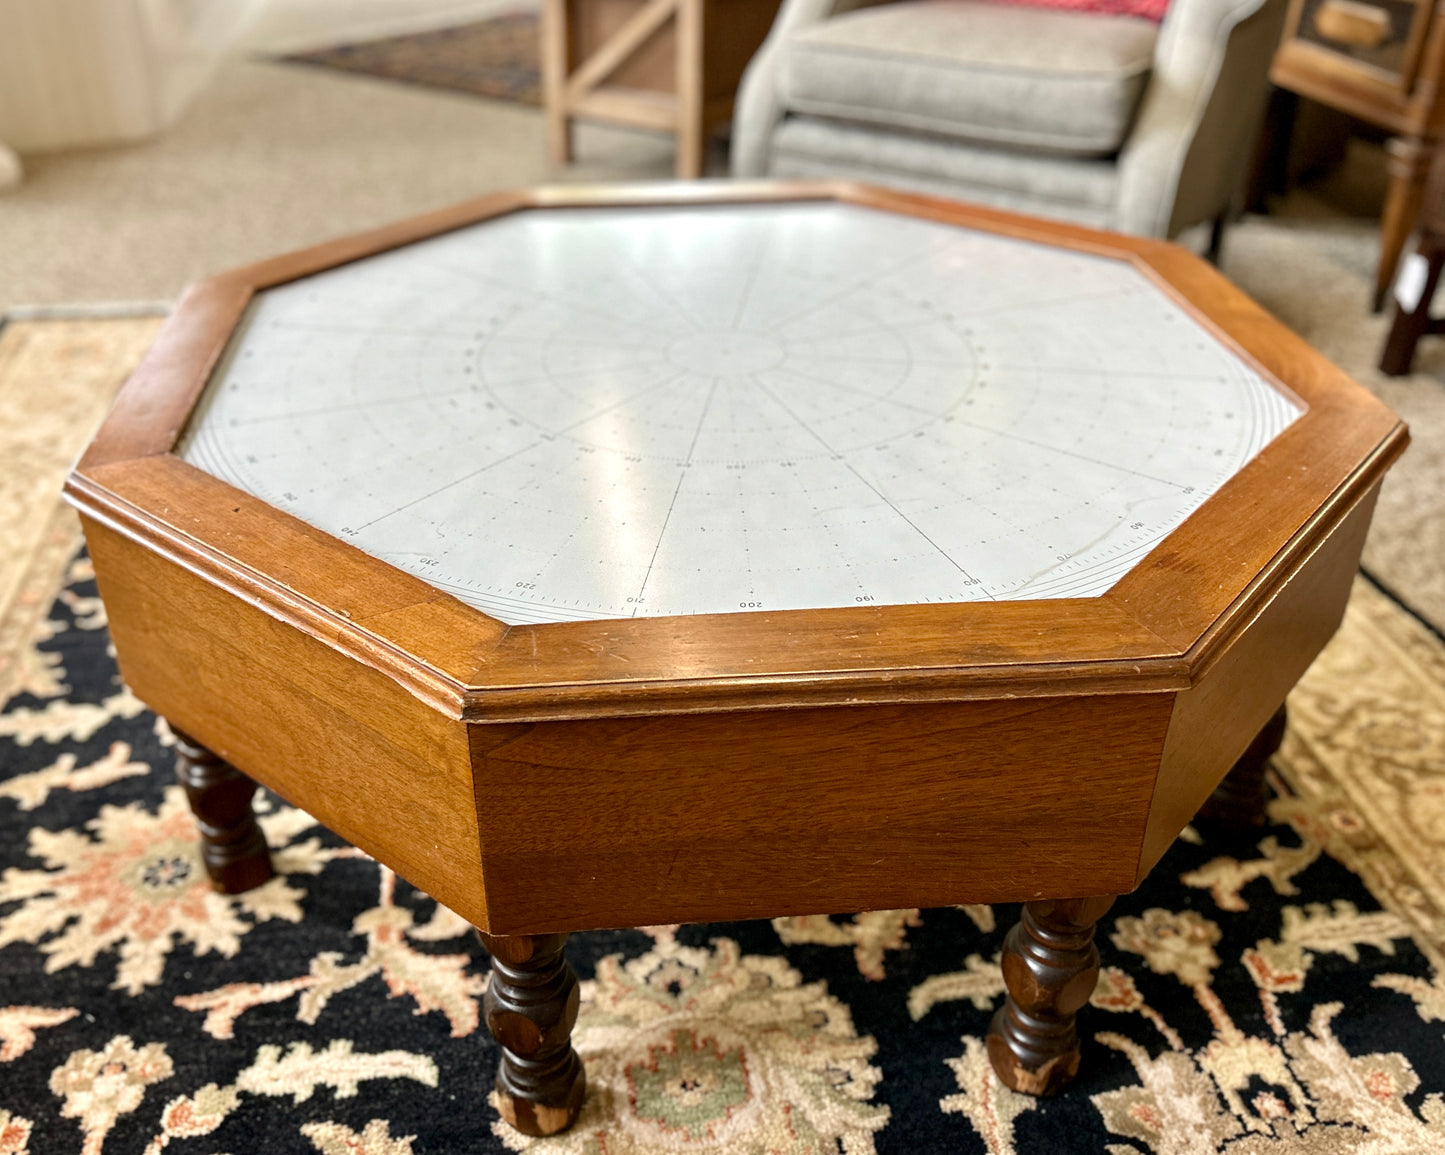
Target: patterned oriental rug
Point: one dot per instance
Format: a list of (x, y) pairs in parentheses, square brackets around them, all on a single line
[(496, 58), (1266, 993)]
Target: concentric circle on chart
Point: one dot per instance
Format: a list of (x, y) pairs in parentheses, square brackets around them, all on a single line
[(593, 413)]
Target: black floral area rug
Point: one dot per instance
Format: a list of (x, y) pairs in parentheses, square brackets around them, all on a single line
[(1267, 992)]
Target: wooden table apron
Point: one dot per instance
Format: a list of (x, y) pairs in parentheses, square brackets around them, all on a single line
[(933, 795), (608, 773)]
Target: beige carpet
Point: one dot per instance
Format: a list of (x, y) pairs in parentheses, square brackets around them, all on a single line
[(56, 381), (273, 157), (1315, 274)]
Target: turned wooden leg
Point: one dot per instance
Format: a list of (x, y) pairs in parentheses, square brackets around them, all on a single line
[(1409, 166), (1242, 799), (1410, 325), (1050, 965), (530, 1008), (232, 845), (1215, 249)]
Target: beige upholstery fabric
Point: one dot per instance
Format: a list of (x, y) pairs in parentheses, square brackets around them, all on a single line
[(1040, 80), (890, 109), (1078, 190), (1193, 135)]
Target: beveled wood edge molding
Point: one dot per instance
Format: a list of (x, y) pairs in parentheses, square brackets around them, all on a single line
[(279, 270), (581, 701), (1291, 484), (1336, 410), (1253, 334), (156, 401), (587, 690), (107, 508), (1204, 615), (1215, 640), (1017, 226), (343, 250), (586, 693)]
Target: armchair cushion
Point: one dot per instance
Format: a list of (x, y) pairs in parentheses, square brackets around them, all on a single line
[(1031, 78)]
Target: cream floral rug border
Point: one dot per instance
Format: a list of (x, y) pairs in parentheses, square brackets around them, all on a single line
[(57, 379), (1363, 765), (1365, 761)]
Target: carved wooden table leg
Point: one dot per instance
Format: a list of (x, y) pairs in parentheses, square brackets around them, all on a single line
[(1242, 799), (232, 845), (1050, 965), (1409, 160), (531, 1007)]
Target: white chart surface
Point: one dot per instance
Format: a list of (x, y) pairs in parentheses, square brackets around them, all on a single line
[(593, 413)]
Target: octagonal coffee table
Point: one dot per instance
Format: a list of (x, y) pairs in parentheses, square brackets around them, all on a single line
[(600, 558)]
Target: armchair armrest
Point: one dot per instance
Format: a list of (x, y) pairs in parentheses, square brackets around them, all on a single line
[(1199, 115), (757, 109)]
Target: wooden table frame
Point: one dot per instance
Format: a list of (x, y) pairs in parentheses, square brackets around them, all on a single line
[(419, 728), (669, 65)]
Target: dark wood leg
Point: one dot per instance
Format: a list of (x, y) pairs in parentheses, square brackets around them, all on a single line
[(1408, 327), (232, 845), (531, 1007), (1270, 170), (1216, 238), (1050, 965), (1242, 799), (1409, 165)]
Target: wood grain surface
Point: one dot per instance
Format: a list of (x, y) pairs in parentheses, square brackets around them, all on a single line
[(343, 742), (754, 814), (1216, 719), (602, 773)]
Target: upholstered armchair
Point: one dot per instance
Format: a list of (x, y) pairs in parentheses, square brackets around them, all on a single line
[(1103, 120)]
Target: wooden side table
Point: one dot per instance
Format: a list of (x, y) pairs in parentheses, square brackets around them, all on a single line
[(671, 65), (1382, 61), (1412, 319)]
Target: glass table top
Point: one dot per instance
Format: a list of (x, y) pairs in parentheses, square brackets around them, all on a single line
[(608, 412)]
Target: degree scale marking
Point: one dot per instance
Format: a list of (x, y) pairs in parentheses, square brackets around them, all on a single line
[(681, 477), (882, 497), (988, 414), (501, 282), (524, 449)]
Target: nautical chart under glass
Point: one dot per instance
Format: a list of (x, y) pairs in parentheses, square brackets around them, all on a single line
[(591, 413)]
